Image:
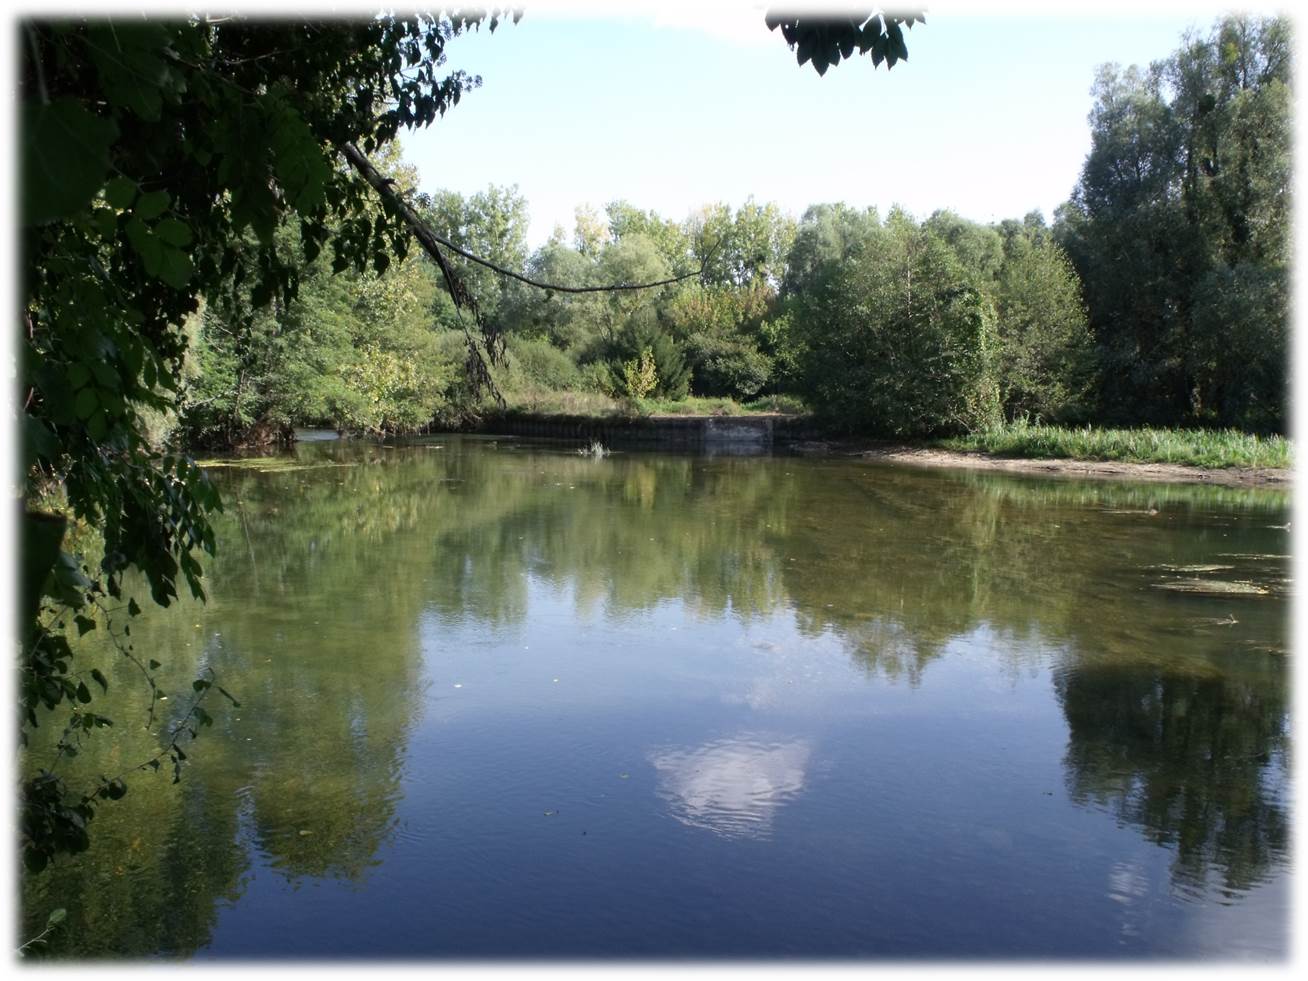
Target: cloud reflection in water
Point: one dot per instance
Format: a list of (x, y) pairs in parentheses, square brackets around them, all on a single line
[(732, 787)]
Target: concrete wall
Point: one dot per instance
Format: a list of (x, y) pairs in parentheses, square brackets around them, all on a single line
[(724, 433)]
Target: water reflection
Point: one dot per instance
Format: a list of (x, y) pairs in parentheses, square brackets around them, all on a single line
[(732, 787), (1197, 760), (341, 581)]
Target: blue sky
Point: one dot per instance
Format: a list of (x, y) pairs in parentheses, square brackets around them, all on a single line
[(988, 117)]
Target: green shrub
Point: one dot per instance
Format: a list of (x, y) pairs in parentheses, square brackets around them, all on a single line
[(597, 377), (641, 334), (538, 362)]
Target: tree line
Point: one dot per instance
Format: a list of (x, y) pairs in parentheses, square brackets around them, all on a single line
[(1158, 296)]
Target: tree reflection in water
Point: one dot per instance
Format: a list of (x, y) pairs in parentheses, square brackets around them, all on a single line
[(1176, 705)]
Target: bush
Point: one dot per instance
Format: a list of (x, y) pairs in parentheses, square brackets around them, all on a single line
[(598, 377), (727, 365), (538, 362), (670, 365)]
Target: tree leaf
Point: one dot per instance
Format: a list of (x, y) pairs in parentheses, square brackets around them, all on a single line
[(152, 205), (65, 157), (175, 267), (173, 232), (86, 403), (148, 247), (120, 192)]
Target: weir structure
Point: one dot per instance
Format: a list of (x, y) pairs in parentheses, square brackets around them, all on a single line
[(741, 434)]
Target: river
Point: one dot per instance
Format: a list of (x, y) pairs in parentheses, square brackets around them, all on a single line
[(497, 699)]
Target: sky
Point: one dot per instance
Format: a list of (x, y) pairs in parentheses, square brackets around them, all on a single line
[(676, 110)]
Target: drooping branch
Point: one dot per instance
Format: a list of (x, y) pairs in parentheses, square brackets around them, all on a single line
[(475, 367), (428, 239), (425, 235)]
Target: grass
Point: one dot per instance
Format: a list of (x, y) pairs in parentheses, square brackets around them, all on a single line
[(546, 402), (1219, 448)]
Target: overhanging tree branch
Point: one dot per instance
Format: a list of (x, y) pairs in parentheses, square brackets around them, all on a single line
[(432, 243), (430, 240)]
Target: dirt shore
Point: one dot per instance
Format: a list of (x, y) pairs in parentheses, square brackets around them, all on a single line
[(1107, 469)]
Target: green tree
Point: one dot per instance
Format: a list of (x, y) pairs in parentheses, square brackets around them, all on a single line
[(980, 248), (1045, 355), (738, 249), (670, 238), (491, 224), (894, 336), (570, 322), (1185, 192), (590, 232), (826, 235)]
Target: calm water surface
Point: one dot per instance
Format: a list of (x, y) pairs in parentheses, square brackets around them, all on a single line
[(501, 700)]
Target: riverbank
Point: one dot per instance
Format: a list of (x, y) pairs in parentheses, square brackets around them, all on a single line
[(931, 456), (1213, 457)]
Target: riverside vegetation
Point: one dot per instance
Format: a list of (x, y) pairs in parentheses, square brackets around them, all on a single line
[(221, 289), (1158, 297)]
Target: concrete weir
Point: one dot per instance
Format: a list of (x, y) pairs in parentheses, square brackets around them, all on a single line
[(718, 434)]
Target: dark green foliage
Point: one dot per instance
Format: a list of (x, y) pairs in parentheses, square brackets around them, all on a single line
[(826, 39), (727, 366), (644, 334), (158, 160), (1179, 229), (895, 338)]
